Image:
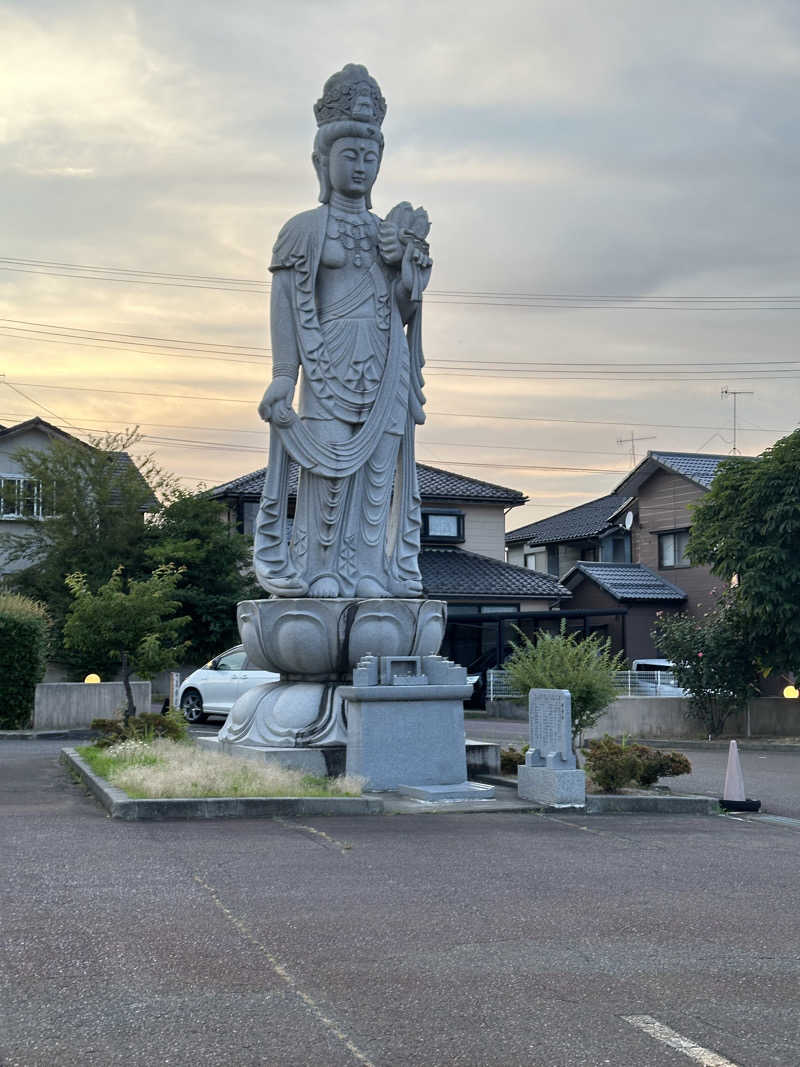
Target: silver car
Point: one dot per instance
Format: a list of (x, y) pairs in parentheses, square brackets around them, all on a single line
[(213, 688)]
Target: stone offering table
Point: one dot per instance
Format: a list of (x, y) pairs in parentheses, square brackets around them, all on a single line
[(549, 775), (405, 727)]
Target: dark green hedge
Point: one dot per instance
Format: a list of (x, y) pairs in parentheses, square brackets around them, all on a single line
[(24, 629)]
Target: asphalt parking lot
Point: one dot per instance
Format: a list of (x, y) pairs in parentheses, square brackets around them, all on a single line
[(389, 940)]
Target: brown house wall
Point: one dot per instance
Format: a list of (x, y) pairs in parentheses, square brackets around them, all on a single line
[(631, 636), (664, 504)]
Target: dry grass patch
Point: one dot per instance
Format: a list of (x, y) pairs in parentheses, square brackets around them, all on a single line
[(162, 769)]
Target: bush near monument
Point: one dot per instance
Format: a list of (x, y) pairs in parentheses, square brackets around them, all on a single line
[(24, 636), (583, 665), (612, 765), (714, 660), (144, 727)]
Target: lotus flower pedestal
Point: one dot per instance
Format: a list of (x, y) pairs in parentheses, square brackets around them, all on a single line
[(361, 690)]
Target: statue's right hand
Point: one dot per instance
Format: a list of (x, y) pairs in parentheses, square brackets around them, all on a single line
[(277, 397)]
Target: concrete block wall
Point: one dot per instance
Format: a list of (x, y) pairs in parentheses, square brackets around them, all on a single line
[(73, 705), (666, 717)]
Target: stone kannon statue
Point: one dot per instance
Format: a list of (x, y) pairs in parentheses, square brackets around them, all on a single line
[(346, 321), (346, 311)]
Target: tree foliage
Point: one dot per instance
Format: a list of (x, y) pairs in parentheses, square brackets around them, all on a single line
[(129, 624), (714, 660), (190, 533), (583, 665), (747, 530), (95, 500)]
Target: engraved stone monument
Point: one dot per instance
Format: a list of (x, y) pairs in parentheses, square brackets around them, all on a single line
[(550, 775), (343, 573)]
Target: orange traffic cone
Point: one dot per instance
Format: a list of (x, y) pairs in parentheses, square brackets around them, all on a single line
[(733, 798)]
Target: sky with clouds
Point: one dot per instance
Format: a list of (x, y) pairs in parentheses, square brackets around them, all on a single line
[(612, 189)]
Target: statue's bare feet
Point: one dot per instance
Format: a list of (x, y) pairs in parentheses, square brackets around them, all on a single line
[(369, 587), (324, 587)]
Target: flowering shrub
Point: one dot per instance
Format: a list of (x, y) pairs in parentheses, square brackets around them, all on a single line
[(713, 661)]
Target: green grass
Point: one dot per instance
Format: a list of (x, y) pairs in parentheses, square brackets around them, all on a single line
[(162, 769)]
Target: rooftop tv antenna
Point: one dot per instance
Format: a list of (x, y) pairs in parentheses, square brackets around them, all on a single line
[(632, 442), (725, 391)]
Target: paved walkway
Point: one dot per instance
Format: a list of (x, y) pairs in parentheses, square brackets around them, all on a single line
[(491, 940)]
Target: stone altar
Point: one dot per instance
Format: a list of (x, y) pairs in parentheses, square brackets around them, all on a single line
[(550, 775), (343, 573)]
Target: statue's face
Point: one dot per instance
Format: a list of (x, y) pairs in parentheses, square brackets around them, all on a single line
[(353, 166)]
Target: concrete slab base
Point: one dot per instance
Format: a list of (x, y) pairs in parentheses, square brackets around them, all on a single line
[(322, 761), (552, 788), (456, 791)]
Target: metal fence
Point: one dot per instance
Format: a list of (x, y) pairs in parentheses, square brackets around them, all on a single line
[(499, 685), (647, 684)]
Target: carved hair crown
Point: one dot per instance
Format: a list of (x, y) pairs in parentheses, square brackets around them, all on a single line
[(351, 94)]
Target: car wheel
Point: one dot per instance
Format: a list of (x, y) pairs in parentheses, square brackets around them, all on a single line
[(192, 706)]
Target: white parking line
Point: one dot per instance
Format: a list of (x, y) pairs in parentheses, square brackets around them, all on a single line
[(669, 1037)]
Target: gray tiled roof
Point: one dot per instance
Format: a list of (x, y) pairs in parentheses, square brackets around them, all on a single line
[(628, 581), (700, 468), (586, 520), (454, 572), (434, 484)]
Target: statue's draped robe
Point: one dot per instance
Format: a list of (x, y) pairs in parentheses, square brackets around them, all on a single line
[(358, 505)]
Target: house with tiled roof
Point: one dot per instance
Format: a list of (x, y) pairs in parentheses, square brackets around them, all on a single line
[(24, 501), (627, 550), (632, 586), (463, 525), (585, 532)]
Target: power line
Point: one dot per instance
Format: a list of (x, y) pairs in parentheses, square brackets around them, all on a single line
[(514, 295), (475, 298), (439, 414), (464, 369)]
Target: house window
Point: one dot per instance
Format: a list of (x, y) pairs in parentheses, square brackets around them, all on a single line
[(21, 498), (444, 526), (537, 560), (616, 548), (672, 549), (249, 513)]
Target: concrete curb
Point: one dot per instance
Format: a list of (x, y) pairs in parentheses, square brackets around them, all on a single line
[(604, 804), (120, 806), (78, 734), (601, 803)]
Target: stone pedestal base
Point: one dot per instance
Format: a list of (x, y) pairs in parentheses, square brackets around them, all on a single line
[(322, 762), (406, 735), (436, 793), (552, 788)]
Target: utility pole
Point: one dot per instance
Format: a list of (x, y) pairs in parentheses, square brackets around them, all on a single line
[(725, 391), (632, 441)]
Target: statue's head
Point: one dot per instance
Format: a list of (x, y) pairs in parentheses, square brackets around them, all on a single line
[(351, 106)]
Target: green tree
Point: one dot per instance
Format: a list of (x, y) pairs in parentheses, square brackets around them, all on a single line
[(128, 624), (191, 533), (747, 529), (713, 660), (583, 665), (95, 499)]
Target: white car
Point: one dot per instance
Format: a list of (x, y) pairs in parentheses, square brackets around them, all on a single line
[(212, 689)]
